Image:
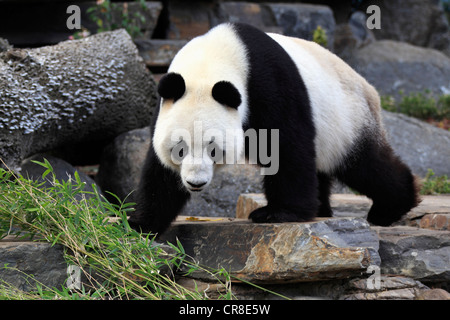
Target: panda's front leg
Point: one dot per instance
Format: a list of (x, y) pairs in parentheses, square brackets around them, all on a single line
[(161, 196), (292, 192)]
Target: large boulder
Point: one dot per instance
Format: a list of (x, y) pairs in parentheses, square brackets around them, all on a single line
[(393, 66), (419, 22), (420, 145), (121, 164), (81, 92)]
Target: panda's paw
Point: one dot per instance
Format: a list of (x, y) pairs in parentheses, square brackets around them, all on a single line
[(267, 215)]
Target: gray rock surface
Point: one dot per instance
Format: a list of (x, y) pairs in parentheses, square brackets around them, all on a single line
[(279, 253), (300, 20), (392, 66), (420, 254), (389, 288), (24, 263), (121, 164), (82, 91), (420, 145), (419, 22)]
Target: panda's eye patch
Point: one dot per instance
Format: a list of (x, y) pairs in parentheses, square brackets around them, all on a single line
[(179, 151), (215, 152), (171, 86), (226, 93)]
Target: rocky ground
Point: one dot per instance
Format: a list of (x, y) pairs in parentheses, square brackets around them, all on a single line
[(338, 258)]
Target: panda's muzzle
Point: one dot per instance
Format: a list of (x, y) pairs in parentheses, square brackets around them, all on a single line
[(197, 186)]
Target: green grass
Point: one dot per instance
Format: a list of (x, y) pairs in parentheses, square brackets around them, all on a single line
[(118, 262), (435, 185), (422, 105)]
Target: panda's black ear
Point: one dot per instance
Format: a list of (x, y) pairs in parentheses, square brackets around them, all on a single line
[(226, 93), (171, 86)]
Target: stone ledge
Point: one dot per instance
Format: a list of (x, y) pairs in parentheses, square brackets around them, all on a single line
[(432, 213), (279, 253)]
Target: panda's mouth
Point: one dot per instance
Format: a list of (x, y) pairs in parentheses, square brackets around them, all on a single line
[(196, 186)]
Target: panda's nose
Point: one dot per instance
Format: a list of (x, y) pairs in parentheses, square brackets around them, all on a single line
[(196, 184)]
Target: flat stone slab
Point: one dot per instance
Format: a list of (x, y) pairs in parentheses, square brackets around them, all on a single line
[(343, 205), (432, 213), (417, 253), (278, 253)]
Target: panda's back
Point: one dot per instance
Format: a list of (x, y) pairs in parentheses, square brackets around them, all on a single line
[(344, 104)]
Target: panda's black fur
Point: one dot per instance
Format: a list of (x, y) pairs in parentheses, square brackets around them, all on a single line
[(278, 99)]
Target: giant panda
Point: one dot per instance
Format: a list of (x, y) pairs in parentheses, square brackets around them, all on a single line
[(327, 117)]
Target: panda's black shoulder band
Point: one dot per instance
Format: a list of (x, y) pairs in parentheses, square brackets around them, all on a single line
[(171, 86), (226, 93)]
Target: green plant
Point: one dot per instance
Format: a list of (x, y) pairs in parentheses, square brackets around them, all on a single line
[(118, 262), (422, 105), (388, 103), (320, 36), (435, 185), (110, 16)]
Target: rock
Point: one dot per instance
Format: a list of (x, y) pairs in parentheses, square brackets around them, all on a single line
[(390, 288), (279, 253), (25, 264), (26, 261), (352, 35), (300, 20), (420, 145), (186, 21), (343, 205), (159, 53), (435, 222), (258, 15), (63, 172), (419, 22), (420, 254), (392, 66), (77, 92), (432, 213), (4, 45), (434, 294), (249, 202), (121, 164)]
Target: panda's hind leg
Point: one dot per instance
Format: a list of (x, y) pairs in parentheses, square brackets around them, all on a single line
[(324, 195), (375, 171)]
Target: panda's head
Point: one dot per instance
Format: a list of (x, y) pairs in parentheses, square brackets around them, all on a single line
[(198, 128)]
